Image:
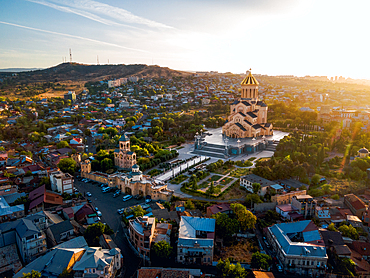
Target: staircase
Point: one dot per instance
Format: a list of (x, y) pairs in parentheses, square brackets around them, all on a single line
[(271, 147), (211, 150)]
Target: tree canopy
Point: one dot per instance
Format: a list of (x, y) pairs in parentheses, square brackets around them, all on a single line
[(260, 261), (67, 165), (246, 219), (162, 249)]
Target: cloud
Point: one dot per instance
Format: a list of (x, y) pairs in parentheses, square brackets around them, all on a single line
[(73, 36), (90, 9)]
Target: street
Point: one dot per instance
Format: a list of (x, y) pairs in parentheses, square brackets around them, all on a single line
[(108, 207)]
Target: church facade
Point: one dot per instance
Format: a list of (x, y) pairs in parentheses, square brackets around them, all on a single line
[(123, 157), (248, 114)]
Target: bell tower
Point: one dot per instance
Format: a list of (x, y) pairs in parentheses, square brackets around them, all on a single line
[(249, 87)]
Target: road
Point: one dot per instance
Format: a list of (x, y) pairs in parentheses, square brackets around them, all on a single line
[(108, 207)]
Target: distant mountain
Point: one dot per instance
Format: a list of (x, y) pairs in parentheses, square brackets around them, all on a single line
[(82, 72), (18, 69)]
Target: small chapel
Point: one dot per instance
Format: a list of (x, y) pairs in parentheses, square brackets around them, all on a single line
[(123, 157), (248, 114)]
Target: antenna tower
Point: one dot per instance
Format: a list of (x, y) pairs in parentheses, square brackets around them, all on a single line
[(70, 55), (97, 59)]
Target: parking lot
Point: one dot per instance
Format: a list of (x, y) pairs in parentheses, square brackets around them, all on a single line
[(108, 206)]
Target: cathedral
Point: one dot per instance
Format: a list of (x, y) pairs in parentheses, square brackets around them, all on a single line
[(248, 114), (123, 157)]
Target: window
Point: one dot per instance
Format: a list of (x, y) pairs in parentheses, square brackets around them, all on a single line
[(180, 250), (205, 260)]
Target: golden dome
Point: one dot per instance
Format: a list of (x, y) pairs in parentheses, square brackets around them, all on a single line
[(249, 80)]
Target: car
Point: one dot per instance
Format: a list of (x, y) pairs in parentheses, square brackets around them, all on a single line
[(96, 208), (98, 213), (89, 200), (120, 211), (102, 185), (88, 194), (138, 197), (279, 268), (118, 191), (148, 199), (116, 194), (75, 189), (126, 198)]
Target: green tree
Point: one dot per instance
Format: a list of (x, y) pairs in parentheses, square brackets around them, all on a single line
[(32, 274), (228, 270), (67, 165), (349, 231), (62, 144), (94, 231), (106, 164), (256, 187), (315, 179), (211, 189), (260, 261), (331, 227), (253, 199), (246, 219), (138, 211), (189, 204), (87, 132), (225, 225), (162, 249)]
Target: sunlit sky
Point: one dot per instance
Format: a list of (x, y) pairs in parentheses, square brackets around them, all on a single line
[(311, 37)]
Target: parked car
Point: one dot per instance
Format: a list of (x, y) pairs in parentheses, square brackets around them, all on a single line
[(106, 189), (279, 268), (148, 199), (98, 213), (126, 198), (138, 197), (88, 194), (89, 200), (116, 194), (96, 208), (120, 211)]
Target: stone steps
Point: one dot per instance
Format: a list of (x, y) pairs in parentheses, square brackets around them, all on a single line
[(211, 154)]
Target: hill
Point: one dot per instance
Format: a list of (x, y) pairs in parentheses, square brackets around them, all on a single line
[(80, 72)]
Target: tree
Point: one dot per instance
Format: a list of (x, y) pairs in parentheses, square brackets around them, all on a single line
[(32, 274), (211, 189), (246, 219), (94, 231), (253, 199), (67, 165), (106, 164), (256, 187), (228, 270), (62, 144), (189, 204), (162, 249), (66, 274), (349, 231), (87, 132), (225, 225), (331, 227), (315, 179), (260, 261)]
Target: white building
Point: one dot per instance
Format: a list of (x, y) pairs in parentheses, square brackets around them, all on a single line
[(61, 182)]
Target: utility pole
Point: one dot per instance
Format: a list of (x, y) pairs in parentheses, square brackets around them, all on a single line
[(70, 55)]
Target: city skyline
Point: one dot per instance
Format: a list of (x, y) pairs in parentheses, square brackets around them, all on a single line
[(285, 38)]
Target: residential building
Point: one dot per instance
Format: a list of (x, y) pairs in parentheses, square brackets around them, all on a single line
[(141, 231), (10, 212), (222, 208), (30, 240), (335, 243), (355, 204), (41, 199), (286, 198), (10, 262), (305, 204), (71, 95), (98, 262), (59, 232), (248, 180), (61, 182), (196, 240), (299, 247)]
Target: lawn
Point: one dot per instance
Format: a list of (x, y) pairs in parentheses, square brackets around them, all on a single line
[(214, 178), (178, 179), (240, 172), (224, 170), (252, 158), (226, 181)]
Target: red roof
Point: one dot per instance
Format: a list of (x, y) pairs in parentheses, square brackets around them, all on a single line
[(219, 208)]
